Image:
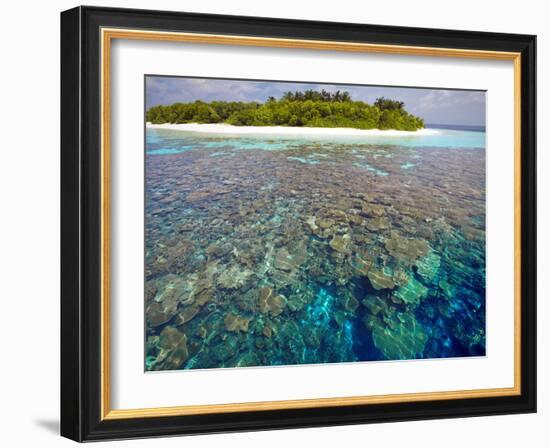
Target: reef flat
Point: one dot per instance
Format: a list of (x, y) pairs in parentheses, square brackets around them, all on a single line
[(280, 252)]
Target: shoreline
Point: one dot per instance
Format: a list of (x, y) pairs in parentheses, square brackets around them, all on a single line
[(222, 128)]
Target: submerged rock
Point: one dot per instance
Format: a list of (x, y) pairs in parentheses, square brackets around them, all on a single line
[(351, 303), (234, 277), (428, 266), (267, 331), (204, 297), (289, 262), (408, 250), (374, 304), (173, 350), (401, 276), (341, 243), (311, 224), (236, 323), (360, 265), (377, 224), (380, 279), (412, 293), (225, 349), (171, 292), (401, 338), (157, 315), (174, 291), (339, 317), (297, 301), (326, 223), (270, 302), (218, 250), (373, 210), (187, 314)]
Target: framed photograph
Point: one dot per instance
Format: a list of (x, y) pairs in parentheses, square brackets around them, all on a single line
[(273, 223)]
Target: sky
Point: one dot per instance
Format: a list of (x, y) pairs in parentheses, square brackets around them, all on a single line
[(435, 106)]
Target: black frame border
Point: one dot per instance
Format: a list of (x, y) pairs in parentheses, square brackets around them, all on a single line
[(81, 223)]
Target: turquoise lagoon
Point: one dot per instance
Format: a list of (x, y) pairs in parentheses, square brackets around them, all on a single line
[(281, 250), (163, 141)]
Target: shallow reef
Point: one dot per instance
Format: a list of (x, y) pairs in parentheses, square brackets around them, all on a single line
[(262, 253)]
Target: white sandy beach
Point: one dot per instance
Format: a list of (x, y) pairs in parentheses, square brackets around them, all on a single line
[(221, 128)]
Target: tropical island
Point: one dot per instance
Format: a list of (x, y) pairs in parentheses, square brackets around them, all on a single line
[(310, 109)]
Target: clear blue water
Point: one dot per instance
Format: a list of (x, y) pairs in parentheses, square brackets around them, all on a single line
[(163, 141), (276, 251)]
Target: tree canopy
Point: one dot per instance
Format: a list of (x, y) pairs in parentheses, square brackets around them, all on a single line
[(308, 108)]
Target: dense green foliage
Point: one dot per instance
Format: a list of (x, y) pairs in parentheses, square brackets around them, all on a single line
[(310, 108)]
